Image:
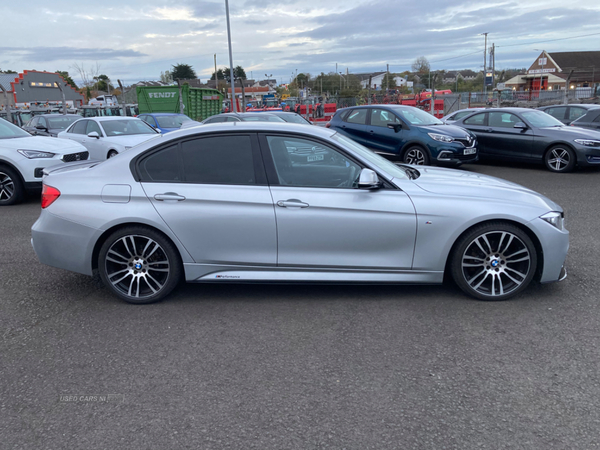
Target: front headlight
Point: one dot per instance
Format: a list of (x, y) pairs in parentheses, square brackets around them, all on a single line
[(440, 137), (555, 218), (588, 142), (35, 154)]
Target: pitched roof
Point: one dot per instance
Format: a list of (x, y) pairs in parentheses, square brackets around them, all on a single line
[(6, 79), (585, 65)]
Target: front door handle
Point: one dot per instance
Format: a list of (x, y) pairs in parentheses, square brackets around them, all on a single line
[(489, 130), (169, 196), (292, 203)]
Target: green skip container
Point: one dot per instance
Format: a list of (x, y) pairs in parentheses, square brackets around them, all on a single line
[(198, 103)]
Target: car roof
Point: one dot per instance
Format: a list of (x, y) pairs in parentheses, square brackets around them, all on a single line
[(103, 118), (285, 127), (161, 114)]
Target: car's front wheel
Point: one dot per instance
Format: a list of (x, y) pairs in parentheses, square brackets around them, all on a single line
[(560, 158), (493, 261), (416, 155), (11, 187), (139, 265)]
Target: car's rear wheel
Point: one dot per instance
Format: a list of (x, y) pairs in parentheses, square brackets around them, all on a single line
[(494, 261), (112, 154), (560, 159), (416, 155), (139, 265), (11, 187)]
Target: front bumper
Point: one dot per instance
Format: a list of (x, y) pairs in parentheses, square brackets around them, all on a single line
[(555, 245)]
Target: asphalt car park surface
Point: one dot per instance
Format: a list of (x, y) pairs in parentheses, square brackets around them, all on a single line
[(310, 367)]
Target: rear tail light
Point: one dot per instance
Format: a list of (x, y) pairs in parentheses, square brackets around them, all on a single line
[(49, 195)]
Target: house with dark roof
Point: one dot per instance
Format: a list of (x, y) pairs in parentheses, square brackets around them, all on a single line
[(33, 87), (560, 70)]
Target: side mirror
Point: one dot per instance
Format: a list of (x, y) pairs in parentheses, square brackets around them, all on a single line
[(395, 126), (41, 127), (368, 179), (94, 134), (520, 125)]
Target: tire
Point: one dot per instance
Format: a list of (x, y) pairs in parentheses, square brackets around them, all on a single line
[(560, 159), (493, 261), (416, 155), (139, 265), (11, 187), (112, 154)]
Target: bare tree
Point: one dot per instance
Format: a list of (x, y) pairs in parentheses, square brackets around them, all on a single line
[(420, 65), (88, 76)]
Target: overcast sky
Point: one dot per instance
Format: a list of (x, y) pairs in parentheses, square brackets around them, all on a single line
[(135, 40)]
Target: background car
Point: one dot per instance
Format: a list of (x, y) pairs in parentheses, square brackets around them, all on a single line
[(165, 122), (105, 137), (591, 119), (454, 116), (228, 203), (23, 157), (290, 117), (50, 124), (407, 134), (243, 117), (567, 113), (529, 135)]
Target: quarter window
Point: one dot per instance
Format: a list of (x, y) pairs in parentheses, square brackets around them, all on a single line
[(219, 160), (576, 113), (304, 163), (358, 116)]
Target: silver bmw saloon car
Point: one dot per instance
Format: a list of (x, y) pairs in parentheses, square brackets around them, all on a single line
[(282, 202)]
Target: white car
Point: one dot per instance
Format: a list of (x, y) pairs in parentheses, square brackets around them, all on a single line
[(105, 137), (23, 158)]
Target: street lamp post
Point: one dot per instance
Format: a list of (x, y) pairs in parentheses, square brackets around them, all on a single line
[(233, 108)]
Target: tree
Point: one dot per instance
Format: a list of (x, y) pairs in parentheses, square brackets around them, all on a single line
[(103, 83), (166, 77), (7, 71), (421, 65), (389, 81), (88, 76), (224, 73), (183, 72), (67, 78)]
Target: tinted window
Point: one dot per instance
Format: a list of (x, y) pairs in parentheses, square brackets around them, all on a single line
[(558, 113), (61, 122), (381, 117), (576, 113), (232, 119), (216, 119), (597, 119), (358, 116), (93, 126), (461, 114), (304, 163), (161, 166), (502, 120), (172, 121), (219, 160), (79, 127), (43, 122), (477, 119)]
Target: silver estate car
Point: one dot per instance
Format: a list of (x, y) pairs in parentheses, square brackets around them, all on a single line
[(233, 202)]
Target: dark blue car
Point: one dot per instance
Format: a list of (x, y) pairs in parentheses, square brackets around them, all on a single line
[(407, 134), (165, 122)]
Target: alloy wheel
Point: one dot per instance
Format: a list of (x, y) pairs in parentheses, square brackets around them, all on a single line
[(137, 267), (7, 187), (415, 156), (496, 263), (559, 159)]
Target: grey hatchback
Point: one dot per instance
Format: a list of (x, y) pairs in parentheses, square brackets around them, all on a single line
[(281, 202)]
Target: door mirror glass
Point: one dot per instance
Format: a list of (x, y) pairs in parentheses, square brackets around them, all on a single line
[(368, 179), (94, 134)]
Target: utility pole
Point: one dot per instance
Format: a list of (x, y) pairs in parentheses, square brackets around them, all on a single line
[(387, 77), (64, 101), (567, 86), (216, 76), (484, 61), (493, 66), (369, 99), (233, 108)]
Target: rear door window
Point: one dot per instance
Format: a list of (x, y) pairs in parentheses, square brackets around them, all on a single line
[(358, 116)]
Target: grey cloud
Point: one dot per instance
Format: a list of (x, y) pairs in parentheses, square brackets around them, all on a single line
[(45, 54)]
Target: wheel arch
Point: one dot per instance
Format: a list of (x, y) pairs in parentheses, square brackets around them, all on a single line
[(410, 144), (11, 166), (536, 242), (104, 236), (557, 144)]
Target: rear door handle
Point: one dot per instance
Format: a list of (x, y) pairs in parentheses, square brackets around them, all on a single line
[(169, 196), (292, 203)]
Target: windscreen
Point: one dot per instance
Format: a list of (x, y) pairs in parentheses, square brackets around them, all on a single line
[(10, 131), (126, 127)]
